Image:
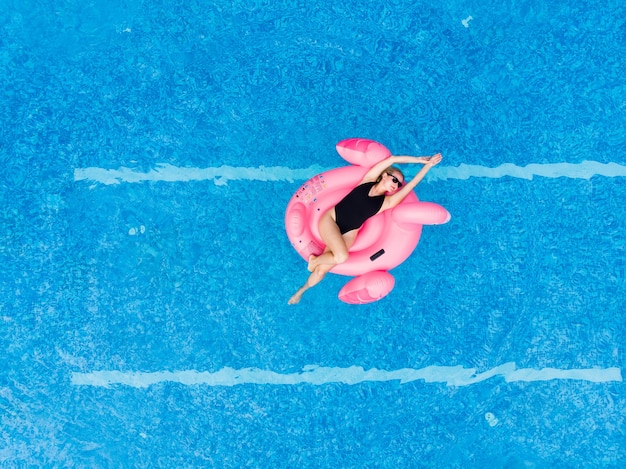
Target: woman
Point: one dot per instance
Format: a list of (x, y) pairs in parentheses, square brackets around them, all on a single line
[(382, 188)]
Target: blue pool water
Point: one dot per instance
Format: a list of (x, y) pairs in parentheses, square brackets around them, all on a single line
[(149, 150)]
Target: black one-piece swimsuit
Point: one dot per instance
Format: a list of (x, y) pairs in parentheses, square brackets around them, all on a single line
[(356, 207)]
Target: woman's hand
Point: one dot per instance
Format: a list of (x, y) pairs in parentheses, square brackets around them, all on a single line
[(433, 160)]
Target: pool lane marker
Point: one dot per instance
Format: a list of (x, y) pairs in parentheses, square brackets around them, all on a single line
[(223, 174), (319, 375), (220, 175), (584, 170)]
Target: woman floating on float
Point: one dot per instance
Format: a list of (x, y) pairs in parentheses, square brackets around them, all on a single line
[(360, 220)]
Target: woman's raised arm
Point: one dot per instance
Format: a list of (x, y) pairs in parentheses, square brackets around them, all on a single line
[(379, 167), (394, 199)]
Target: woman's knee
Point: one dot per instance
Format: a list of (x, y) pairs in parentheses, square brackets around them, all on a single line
[(318, 274), (340, 257)]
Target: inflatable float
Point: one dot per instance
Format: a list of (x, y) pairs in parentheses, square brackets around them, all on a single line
[(385, 240)]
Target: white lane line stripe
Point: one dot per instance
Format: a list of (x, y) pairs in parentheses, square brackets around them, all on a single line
[(584, 170), (220, 176), (317, 375), (223, 174)]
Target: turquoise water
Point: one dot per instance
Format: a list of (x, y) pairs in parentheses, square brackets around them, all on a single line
[(149, 151)]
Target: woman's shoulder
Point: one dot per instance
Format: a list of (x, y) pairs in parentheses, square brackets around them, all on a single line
[(364, 181)]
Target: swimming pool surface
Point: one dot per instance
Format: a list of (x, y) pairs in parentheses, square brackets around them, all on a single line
[(148, 152)]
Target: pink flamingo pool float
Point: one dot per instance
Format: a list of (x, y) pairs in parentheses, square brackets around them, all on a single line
[(385, 240)]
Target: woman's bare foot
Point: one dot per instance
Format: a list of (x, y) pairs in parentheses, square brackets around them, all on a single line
[(295, 299)]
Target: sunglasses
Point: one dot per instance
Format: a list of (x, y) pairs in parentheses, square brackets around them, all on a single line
[(395, 180)]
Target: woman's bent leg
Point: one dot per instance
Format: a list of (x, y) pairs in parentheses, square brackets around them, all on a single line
[(336, 248), (316, 277), (320, 271)]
